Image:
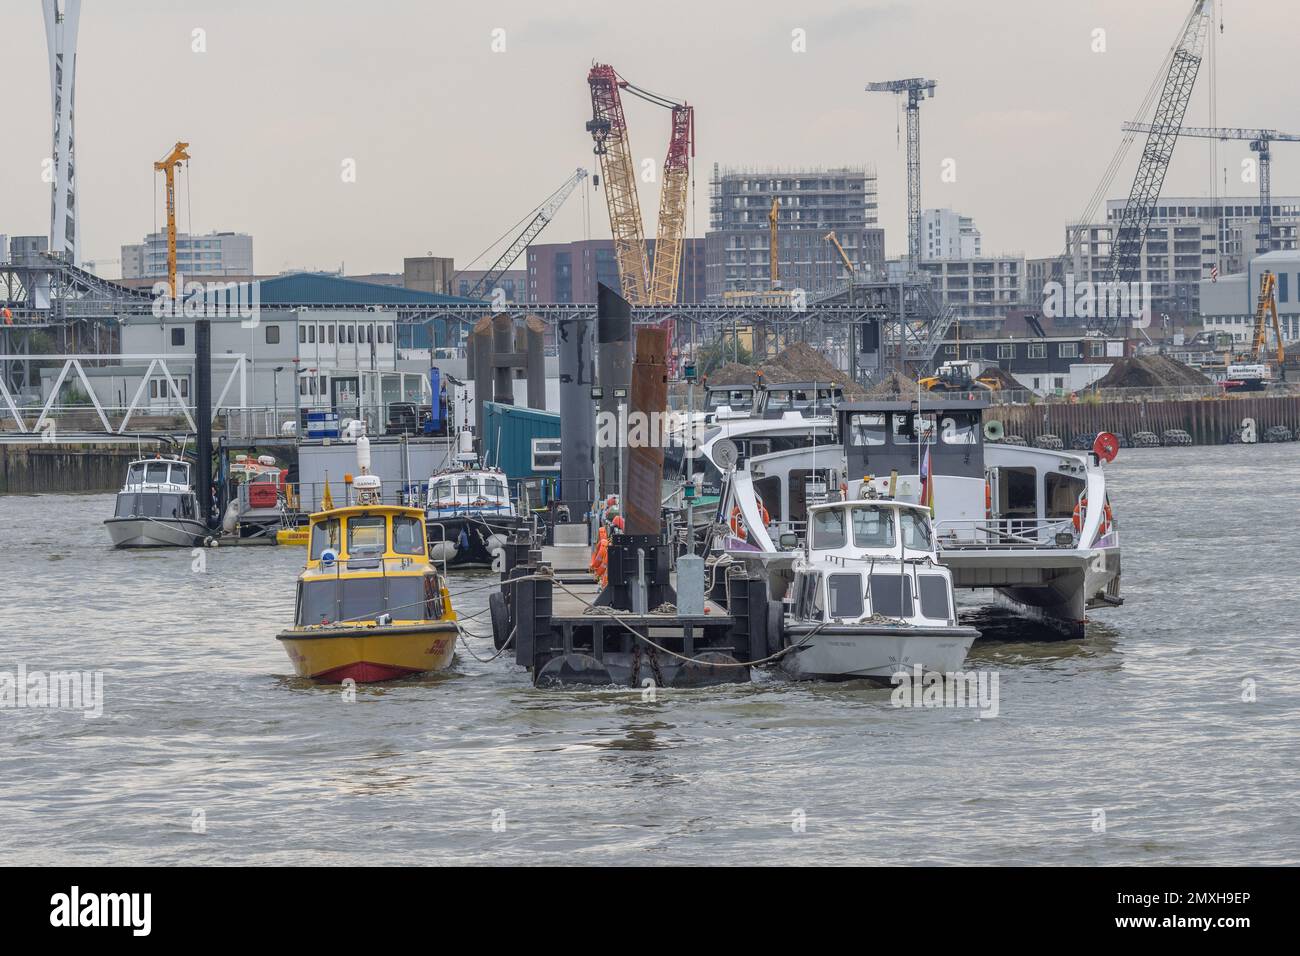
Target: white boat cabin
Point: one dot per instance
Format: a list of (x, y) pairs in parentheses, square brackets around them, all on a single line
[(871, 560)]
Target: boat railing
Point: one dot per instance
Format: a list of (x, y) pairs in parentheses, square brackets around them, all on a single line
[(1004, 533)]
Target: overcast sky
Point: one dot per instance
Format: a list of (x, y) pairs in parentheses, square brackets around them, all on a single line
[(453, 142)]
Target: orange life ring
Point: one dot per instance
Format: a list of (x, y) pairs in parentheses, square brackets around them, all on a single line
[(1078, 516), (762, 513), (737, 524), (988, 500)]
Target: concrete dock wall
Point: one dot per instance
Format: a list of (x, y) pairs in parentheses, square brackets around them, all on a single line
[(61, 468)]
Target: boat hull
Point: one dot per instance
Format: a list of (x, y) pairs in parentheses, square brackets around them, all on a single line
[(469, 541), (155, 532), (369, 654), (854, 652)]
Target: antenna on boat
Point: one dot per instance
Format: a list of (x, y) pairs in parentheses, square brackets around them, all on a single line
[(367, 486)]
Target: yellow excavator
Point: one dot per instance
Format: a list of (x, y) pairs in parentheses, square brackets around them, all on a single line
[(961, 375), (1254, 370)]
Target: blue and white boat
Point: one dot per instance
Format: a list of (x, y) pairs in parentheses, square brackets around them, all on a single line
[(468, 511)]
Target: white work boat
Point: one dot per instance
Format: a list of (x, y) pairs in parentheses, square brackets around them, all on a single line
[(157, 507), (869, 598)]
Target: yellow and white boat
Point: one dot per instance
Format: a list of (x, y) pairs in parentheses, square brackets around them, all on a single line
[(371, 605)]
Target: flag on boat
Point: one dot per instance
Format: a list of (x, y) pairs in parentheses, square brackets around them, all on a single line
[(927, 481), (327, 500)]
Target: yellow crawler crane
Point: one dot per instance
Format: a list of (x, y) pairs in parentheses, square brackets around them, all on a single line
[(1267, 305)]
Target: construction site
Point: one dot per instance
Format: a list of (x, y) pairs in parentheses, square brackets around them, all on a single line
[(793, 257)]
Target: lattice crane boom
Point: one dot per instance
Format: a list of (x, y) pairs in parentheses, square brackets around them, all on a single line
[(526, 237), (671, 229), (1129, 234), (608, 128)]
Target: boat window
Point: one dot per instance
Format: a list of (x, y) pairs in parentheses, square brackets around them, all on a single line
[(844, 593), (366, 535), (907, 426), (867, 428), (828, 528), (916, 530), (466, 487), (180, 474), (156, 473), (934, 596), (959, 430), (779, 401), (1017, 493), (318, 602), (408, 535), (442, 489), (1063, 493), (324, 535), (135, 475), (363, 598), (737, 399), (406, 598), (873, 528), (125, 506), (494, 487), (891, 595)]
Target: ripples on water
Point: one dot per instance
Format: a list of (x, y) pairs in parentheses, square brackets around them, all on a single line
[(1143, 720)]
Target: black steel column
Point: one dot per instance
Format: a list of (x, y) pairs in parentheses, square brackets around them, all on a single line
[(203, 416)]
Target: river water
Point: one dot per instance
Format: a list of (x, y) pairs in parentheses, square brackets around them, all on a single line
[(1134, 746)]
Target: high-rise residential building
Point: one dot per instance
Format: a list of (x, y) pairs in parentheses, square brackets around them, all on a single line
[(980, 290), (61, 19), (811, 203), (946, 234), (1188, 239), (569, 271), (214, 254)]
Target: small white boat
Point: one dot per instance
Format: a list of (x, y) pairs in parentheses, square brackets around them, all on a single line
[(157, 507), (468, 511), (870, 598)]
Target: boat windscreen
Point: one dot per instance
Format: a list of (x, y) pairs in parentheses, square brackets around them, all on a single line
[(408, 535), (873, 528), (365, 535), (891, 595), (325, 534), (844, 595), (934, 596), (916, 530), (828, 529)]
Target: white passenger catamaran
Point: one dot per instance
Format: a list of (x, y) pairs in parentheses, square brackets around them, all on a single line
[(1035, 525)]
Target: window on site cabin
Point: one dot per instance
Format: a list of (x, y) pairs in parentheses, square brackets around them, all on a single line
[(324, 535), (867, 428), (178, 336), (891, 595), (828, 529), (1062, 494), (873, 528), (302, 335), (311, 334), (916, 530), (352, 335), (272, 335), (844, 595), (329, 333), (366, 535)]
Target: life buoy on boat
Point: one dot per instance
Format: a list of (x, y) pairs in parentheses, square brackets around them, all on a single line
[(1080, 510), (762, 513), (737, 523)]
